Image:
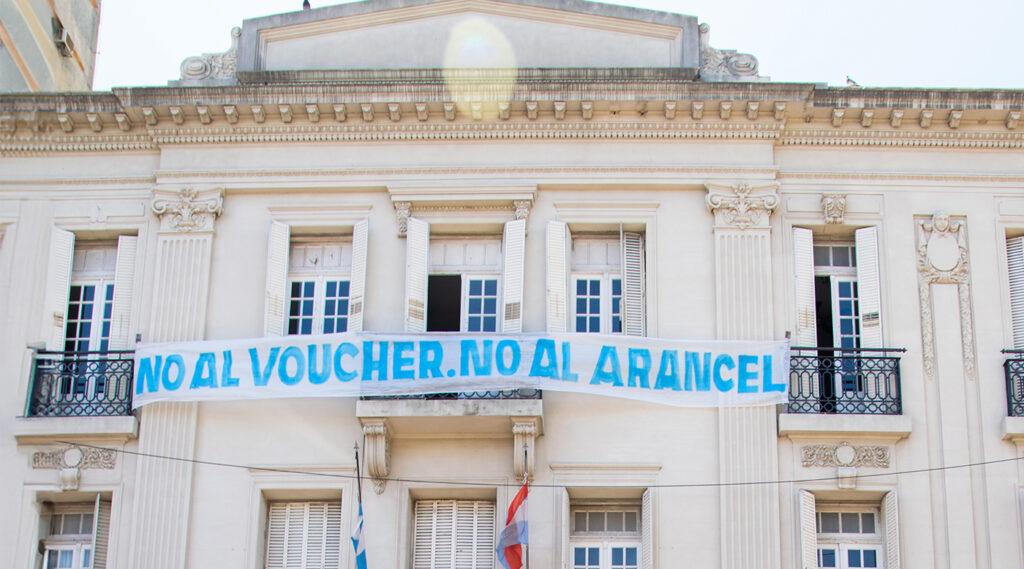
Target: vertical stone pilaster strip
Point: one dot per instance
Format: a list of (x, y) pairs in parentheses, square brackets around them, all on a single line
[(747, 435), (163, 487)]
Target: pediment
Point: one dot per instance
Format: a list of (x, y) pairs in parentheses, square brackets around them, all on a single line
[(432, 34)]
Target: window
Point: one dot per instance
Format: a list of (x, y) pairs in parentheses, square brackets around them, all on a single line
[(464, 283), (1015, 265), (605, 537), (595, 281), (848, 535), (304, 534), (453, 534), (315, 284), (319, 286), (75, 535)]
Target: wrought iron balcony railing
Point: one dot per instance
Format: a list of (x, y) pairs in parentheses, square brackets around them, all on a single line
[(525, 393), (845, 381), (81, 384), (1014, 369)]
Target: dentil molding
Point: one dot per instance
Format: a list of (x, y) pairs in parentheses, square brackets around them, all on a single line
[(188, 209), (742, 205)]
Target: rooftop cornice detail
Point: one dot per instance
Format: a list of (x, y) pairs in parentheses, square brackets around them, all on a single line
[(951, 138)]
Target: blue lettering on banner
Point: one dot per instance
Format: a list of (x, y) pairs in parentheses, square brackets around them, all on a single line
[(402, 364), (608, 357), (345, 349), (149, 377), (639, 367), (226, 379), (745, 375), (768, 385), (179, 362), (513, 364), (545, 364), (286, 377), (318, 376), (260, 379), (567, 373), (370, 364), (431, 355), (481, 361), (668, 371), (695, 373), (205, 374), (723, 384)]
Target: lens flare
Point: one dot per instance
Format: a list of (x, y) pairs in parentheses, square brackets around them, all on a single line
[(477, 44)]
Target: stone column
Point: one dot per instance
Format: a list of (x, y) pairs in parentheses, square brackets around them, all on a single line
[(748, 437), (163, 488), (959, 506)]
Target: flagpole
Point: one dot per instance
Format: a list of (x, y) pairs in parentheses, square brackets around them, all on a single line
[(359, 477), (526, 478)]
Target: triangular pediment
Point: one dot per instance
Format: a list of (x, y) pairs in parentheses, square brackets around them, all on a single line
[(432, 34)]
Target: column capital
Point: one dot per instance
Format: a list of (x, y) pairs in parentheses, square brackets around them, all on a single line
[(742, 205), (187, 209)]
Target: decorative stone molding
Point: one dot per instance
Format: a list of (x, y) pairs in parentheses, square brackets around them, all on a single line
[(834, 207), (896, 118), (524, 436), (742, 205), (522, 208), (942, 259), (725, 64), (844, 455), (377, 451), (402, 212), (198, 68), (188, 209), (74, 457)]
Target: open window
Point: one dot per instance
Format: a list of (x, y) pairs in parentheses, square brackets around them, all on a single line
[(599, 532), (75, 534), (849, 534)]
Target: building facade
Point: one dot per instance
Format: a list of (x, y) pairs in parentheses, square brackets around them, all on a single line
[(513, 167), (48, 45)]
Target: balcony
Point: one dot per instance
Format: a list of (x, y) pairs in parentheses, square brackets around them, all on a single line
[(861, 381), (472, 395), (1013, 367), (81, 384)]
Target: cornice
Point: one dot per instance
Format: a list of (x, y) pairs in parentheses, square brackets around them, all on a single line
[(895, 138)]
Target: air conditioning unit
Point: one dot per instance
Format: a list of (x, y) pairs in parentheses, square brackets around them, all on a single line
[(62, 40)]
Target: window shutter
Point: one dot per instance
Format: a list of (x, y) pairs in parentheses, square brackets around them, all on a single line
[(647, 530), (433, 534), (474, 535), (808, 531), (304, 535), (633, 322), (357, 288), (453, 534), (101, 531), (890, 509), (417, 262), (558, 244), (1015, 262), (512, 279), (565, 527), (868, 289), (58, 284), (277, 279), (124, 278), (803, 269)]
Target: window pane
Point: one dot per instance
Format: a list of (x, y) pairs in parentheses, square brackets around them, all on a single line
[(595, 287), (86, 524), (853, 558), (870, 559), (71, 524), (631, 521), (490, 305), (617, 287), (867, 523), (580, 557), (474, 324), (851, 523), (631, 554), (615, 522), (580, 522), (86, 558), (821, 256), (475, 305), (617, 556), (491, 287), (581, 287), (476, 287), (593, 557), (490, 324), (829, 522), (66, 559), (596, 522), (827, 557), (841, 256)]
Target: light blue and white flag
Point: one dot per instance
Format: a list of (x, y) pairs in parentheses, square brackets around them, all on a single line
[(357, 541)]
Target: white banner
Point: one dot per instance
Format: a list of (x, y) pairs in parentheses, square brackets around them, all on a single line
[(673, 372)]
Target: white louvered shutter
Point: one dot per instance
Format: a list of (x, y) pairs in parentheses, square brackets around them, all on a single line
[(808, 531), (558, 244), (565, 527), (633, 321), (277, 279), (58, 285), (1015, 262), (512, 277), (803, 273), (357, 290), (453, 534), (100, 533), (417, 263), (304, 535), (124, 289), (647, 530), (474, 535), (868, 288), (890, 509)]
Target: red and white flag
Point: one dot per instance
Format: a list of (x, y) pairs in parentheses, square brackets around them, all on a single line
[(515, 535)]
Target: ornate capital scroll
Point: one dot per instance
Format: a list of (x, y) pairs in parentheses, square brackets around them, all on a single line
[(742, 205), (845, 455), (402, 212), (725, 64), (524, 435), (188, 209), (212, 65), (834, 207), (522, 208), (377, 451)]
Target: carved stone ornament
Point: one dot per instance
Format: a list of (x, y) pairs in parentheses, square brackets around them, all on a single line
[(402, 212), (212, 65), (188, 209), (742, 205), (725, 64), (942, 259), (834, 207), (74, 457), (524, 436), (522, 208), (845, 455), (377, 452)]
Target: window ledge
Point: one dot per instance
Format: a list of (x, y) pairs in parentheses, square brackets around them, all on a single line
[(1013, 429), (815, 425), (436, 417), (35, 430)]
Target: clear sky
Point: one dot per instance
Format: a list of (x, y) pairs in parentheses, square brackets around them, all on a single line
[(879, 43)]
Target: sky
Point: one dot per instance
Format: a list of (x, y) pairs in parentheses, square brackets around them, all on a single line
[(878, 43)]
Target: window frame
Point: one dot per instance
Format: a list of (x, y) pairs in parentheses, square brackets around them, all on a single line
[(607, 296), (842, 542), (486, 546), (466, 273), (605, 540), (305, 538), (320, 277)]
